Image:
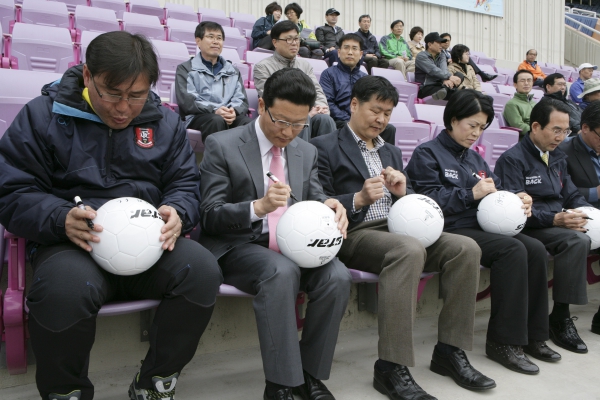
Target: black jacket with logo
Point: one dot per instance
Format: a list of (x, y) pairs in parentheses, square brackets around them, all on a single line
[(521, 169), (443, 170)]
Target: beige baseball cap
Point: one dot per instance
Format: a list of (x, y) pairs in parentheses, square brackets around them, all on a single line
[(590, 86)]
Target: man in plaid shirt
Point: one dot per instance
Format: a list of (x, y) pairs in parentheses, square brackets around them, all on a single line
[(366, 175)]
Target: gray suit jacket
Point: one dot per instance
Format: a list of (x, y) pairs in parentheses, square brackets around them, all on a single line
[(231, 177)]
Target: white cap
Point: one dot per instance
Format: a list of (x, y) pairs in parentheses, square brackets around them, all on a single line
[(587, 65)]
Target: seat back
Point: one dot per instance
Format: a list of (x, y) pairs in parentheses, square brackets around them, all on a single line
[(239, 43), (488, 88), (242, 21), (147, 7), (500, 101), (407, 92), (86, 38), (486, 61), (254, 57), (318, 66), (410, 77), (47, 13), (432, 114), (231, 31), (118, 6), (181, 12), (548, 70), (509, 90), (7, 14), (41, 48), (218, 16), (252, 95), (183, 32), (391, 75), (72, 4), (401, 114), (496, 142), (18, 88), (95, 19), (409, 135), (170, 55), (147, 25)]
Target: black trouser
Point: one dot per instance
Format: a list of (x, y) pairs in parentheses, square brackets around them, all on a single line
[(388, 134), (265, 43), (519, 285), (429, 90), (539, 82), (331, 56), (211, 123), (375, 62), (69, 288)]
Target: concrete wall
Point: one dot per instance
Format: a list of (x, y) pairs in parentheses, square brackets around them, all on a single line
[(580, 48), (527, 24)]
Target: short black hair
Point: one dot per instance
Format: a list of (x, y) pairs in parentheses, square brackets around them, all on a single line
[(396, 22), (457, 52), (272, 7), (295, 7), (529, 51), (466, 103), (208, 26), (292, 85), (521, 71), (542, 110), (414, 31), (121, 57), (591, 115), (368, 86), (551, 78), (351, 36), (363, 16), (443, 35), (281, 27)]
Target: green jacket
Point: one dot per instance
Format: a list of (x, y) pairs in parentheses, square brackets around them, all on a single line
[(391, 47), (517, 111), (302, 24)]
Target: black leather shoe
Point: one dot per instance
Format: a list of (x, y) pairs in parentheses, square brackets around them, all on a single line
[(440, 94), (313, 389), (596, 323), (487, 77), (540, 350), (564, 334), (512, 357), (398, 384), (281, 394), (458, 367)]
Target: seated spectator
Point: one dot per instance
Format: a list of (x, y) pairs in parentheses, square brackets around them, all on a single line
[(337, 83), (518, 109), (485, 77), (286, 41), (586, 70), (446, 46), (210, 90), (261, 30), (591, 92), (371, 55), (395, 49), (309, 46), (555, 87), (415, 43), (460, 63), (530, 64), (432, 71), (329, 35)]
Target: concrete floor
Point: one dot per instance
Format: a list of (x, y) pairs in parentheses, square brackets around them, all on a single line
[(237, 374)]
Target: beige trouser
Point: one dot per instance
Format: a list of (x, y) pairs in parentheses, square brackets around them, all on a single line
[(399, 260), (402, 66)]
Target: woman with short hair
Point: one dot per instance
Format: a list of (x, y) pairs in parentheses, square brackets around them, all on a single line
[(261, 31), (460, 63), (309, 46)]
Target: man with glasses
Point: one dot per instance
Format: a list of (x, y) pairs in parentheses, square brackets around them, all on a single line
[(535, 166), (99, 133), (530, 64), (239, 213), (286, 41), (210, 90), (517, 110), (555, 86)]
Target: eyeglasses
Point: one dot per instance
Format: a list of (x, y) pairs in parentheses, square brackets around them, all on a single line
[(593, 130), (214, 38), (111, 98), (284, 124), (560, 132), (561, 84), (291, 40)]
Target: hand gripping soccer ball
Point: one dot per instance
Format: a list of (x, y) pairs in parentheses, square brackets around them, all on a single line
[(129, 243), (308, 235), (417, 216), (593, 225), (500, 212)]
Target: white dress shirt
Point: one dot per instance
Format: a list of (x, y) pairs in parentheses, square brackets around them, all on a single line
[(266, 156)]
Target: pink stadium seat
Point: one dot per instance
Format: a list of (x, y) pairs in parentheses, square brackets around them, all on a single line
[(242, 21), (568, 74), (499, 80), (252, 96), (72, 4), (500, 101), (433, 115), (548, 70), (170, 55), (495, 142), (86, 38), (47, 13), (238, 43), (392, 75), (509, 90), (254, 57), (7, 15), (147, 7), (95, 19), (182, 12), (183, 32), (409, 134), (118, 6), (233, 56), (218, 16), (509, 74), (41, 48), (550, 65), (407, 92), (410, 77), (147, 25), (231, 31), (488, 88), (486, 61), (596, 74)]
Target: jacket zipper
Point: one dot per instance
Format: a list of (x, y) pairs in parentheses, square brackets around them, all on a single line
[(109, 153)]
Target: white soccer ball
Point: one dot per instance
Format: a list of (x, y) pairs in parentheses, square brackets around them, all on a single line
[(417, 216), (129, 243), (593, 225), (500, 212), (308, 235)]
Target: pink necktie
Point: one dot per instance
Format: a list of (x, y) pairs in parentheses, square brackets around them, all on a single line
[(276, 169)]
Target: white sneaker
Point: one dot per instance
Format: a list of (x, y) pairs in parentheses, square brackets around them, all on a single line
[(74, 395), (164, 388)]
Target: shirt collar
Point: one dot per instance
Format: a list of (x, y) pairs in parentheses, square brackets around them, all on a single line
[(588, 148), (378, 142), (541, 152), (264, 144)]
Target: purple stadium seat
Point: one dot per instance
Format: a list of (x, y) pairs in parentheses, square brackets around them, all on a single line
[(181, 12), (7, 15), (231, 31), (537, 94), (242, 21), (569, 75), (407, 92), (500, 101), (233, 56), (488, 88), (252, 96), (550, 65), (392, 75), (433, 115), (487, 61), (548, 70), (409, 134), (41, 48), (18, 88), (86, 38), (47, 13), (183, 32), (596, 74), (509, 74), (72, 4), (218, 16), (499, 80), (410, 77), (147, 7), (95, 19), (253, 57), (239, 43), (495, 142), (509, 90), (118, 6), (170, 55), (148, 25)]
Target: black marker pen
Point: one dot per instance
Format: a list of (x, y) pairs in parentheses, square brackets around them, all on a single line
[(81, 206), (275, 180)]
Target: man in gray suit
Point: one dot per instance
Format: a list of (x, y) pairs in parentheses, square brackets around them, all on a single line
[(239, 212)]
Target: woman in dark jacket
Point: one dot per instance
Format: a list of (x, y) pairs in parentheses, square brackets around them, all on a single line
[(261, 31), (457, 178)]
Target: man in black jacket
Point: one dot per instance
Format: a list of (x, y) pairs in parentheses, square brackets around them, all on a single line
[(535, 166), (371, 54), (329, 35), (555, 86)]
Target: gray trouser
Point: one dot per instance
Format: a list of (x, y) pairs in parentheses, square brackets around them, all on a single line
[(275, 281), (399, 260), (319, 124)]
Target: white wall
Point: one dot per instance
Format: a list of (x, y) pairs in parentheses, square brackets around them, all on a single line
[(580, 48), (527, 23)]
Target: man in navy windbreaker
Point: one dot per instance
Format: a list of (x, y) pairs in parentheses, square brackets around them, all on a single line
[(100, 133), (537, 167)]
